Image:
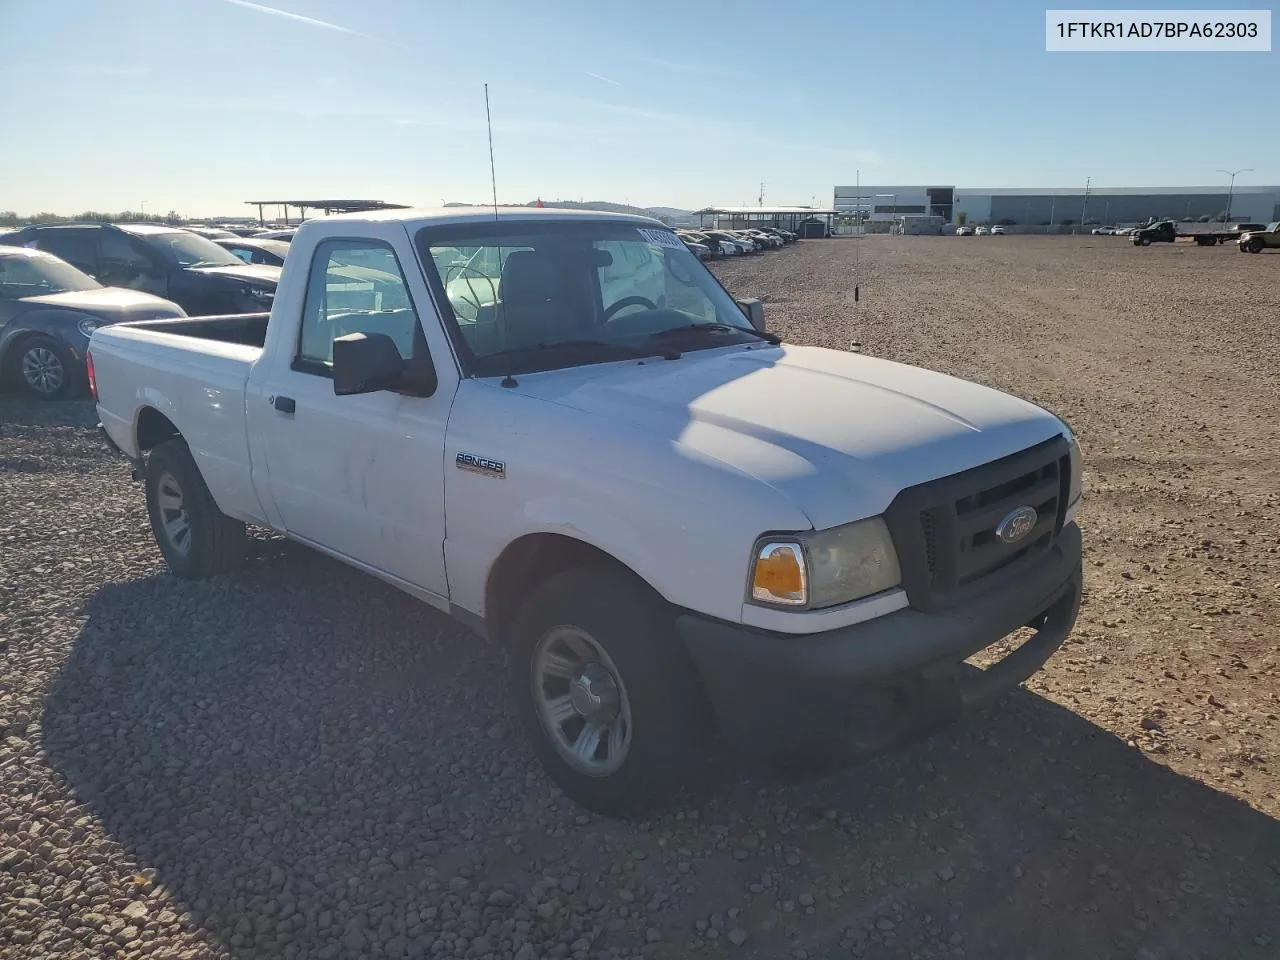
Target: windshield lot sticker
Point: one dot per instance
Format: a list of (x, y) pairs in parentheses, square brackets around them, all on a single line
[(661, 238)]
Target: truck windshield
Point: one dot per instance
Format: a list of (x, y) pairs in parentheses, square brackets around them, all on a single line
[(33, 276), (523, 287)]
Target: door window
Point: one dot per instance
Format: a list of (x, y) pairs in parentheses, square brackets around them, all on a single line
[(122, 264), (74, 245), (355, 286)]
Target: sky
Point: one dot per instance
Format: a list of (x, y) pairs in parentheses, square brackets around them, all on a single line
[(199, 105)]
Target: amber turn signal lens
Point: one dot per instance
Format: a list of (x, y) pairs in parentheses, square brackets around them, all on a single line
[(779, 574)]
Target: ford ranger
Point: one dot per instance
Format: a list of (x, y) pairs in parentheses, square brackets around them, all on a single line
[(558, 427)]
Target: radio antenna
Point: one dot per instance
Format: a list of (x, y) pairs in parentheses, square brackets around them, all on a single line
[(493, 177)]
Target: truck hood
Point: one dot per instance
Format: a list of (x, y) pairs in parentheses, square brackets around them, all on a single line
[(839, 434), (111, 303), (258, 274)]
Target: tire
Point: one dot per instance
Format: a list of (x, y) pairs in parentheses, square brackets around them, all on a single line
[(1144, 242), (45, 369), (1254, 246), (196, 539), (596, 637)]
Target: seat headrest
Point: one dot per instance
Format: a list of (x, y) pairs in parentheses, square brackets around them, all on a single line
[(528, 276)]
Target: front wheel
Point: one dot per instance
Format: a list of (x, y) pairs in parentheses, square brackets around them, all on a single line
[(605, 690), (1254, 246), (196, 539), (45, 369)]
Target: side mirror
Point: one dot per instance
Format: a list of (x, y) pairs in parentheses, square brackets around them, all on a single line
[(754, 310), (366, 363)]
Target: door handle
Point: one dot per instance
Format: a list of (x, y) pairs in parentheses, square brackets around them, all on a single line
[(284, 404)]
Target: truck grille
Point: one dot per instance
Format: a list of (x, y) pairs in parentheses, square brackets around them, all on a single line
[(945, 530)]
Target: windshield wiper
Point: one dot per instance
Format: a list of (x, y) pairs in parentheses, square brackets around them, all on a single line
[(622, 351), (673, 332)]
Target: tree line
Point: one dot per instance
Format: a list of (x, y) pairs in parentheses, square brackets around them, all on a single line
[(9, 218)]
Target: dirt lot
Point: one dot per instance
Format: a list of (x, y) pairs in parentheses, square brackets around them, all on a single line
[(300, 762)]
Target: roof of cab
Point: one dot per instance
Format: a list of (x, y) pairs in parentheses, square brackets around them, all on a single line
[(421, 217)]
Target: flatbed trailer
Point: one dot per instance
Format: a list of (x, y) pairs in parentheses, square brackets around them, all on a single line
[(1166, 231)]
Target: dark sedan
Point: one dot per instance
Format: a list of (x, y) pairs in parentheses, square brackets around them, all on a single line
[(48, 310), (269, 253), (192, 271)]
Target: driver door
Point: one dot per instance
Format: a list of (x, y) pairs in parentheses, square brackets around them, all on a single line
[(358, 476)]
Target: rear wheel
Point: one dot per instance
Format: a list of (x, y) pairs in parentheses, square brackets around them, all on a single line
[(45, 369), (605, 690), (196, 539)]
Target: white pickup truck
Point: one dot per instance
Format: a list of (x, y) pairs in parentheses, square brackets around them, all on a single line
[(673, 523)]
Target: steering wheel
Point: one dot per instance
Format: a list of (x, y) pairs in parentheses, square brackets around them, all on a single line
[(457, 272), (628, 302)]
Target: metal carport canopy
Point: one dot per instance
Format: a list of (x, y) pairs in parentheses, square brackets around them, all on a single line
[(328, 206)]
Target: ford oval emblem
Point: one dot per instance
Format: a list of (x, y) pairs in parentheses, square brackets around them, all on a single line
[(1016, 524)]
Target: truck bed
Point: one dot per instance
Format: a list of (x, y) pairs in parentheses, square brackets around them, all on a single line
[(247, 329), (192, 371)]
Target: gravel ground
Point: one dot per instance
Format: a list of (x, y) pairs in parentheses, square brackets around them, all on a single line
[(298, 762)]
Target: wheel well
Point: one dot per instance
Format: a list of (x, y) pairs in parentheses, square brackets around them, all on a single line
[(154, 428), (529, 561)]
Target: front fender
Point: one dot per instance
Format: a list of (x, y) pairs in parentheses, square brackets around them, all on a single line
[(58, 324)]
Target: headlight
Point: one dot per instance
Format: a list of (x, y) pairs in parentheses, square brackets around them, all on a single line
[(825, 568), (88, 324), (1075, 488)]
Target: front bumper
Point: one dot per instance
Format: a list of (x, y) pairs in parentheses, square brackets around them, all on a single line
[(859, 689)]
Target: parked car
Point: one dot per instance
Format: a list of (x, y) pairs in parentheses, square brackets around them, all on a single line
[(768, 239), (211, 233), (48, 311), (804, 580), (980, 232), (1255, 241), (997, 230), (965, 231), (256, 249), (1248, 227), (700, 250), (286, 234), (1103, 231), (723, 248), (742, 246), (192, 271), (748, 244)]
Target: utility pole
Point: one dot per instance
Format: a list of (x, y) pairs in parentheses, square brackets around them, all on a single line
[(1085, 205), (762, 185), (1231, 189)]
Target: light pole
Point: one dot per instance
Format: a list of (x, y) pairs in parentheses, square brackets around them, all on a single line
[(1231, 189), (142, 208), (1085, 205)]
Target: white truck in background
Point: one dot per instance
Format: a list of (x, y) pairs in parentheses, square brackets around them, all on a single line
[(670, 519)]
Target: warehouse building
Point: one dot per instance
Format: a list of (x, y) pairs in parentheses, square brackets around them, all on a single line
[(1048, 206)]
